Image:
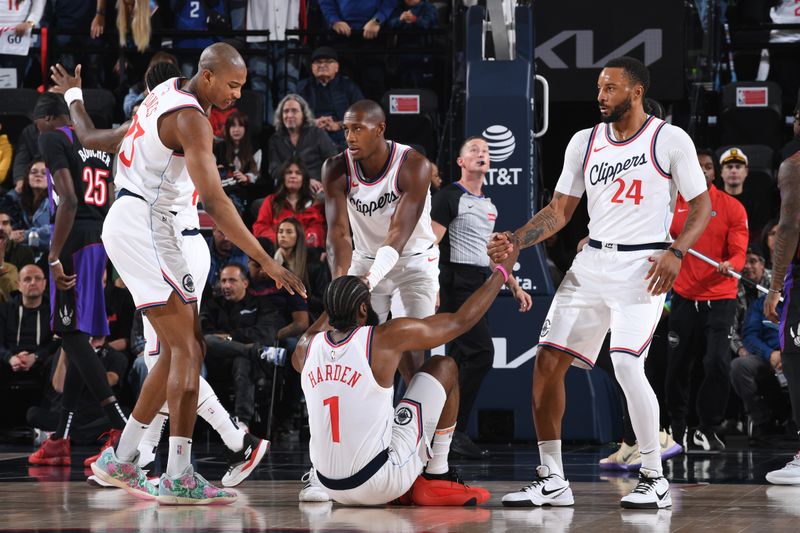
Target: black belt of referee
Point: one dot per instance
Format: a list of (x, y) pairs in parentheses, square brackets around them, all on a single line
[(360, 477), (125, 192), (629, 247)]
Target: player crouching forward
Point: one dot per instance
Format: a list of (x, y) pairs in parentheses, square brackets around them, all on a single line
[(364, 451)]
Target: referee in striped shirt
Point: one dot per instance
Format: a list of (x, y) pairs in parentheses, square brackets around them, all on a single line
[(463, 220)]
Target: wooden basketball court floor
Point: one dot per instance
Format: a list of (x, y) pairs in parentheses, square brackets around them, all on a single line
[(722, 493)]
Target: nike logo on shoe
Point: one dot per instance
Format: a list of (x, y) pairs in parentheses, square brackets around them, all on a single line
[(546, 492), (663, 495)]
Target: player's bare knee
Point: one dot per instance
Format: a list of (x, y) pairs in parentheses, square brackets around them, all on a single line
[(444, 369), (550, 362)]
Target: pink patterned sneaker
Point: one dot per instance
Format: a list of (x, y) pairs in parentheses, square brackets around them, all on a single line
[(109, 469), (190, 488)]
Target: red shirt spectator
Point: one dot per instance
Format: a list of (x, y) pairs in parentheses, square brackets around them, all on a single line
[(292, 199), (724, 240)]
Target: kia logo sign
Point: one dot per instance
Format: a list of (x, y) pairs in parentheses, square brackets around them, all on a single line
[(501, 142)]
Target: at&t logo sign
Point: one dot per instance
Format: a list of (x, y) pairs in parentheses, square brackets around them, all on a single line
[(501, 143)]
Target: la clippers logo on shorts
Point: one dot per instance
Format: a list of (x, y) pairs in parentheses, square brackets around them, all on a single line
[(403, 416), (188, 283), (545, 328), (66, 315)]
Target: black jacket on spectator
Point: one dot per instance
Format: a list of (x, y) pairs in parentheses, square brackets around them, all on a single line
[(23, 329), (313, 148), (250, 320), (330, 100), (25, 150), (19, 255)]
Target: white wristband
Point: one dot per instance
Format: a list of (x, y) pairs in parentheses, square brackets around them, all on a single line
[(384, 261), (73, 94)]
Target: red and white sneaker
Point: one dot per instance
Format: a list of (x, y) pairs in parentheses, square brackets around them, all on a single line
[(242, 463), (52, 452), (111, 442), (446, 489)]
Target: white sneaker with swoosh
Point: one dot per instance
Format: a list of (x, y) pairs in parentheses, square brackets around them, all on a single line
[(547, 489), (652, 492)]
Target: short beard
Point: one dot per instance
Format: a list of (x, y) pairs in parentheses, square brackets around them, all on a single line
[(618, 112)]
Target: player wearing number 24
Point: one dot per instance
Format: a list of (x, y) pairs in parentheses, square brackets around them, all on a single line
[(630, 166)]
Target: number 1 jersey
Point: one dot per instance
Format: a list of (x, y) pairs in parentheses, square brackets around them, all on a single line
[(144, 165), (349, 415), (90, 171)]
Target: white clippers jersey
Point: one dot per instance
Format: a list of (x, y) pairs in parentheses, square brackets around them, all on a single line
[(186, 206), (148, 168), (349, 415), (370, 206), (631, 185)]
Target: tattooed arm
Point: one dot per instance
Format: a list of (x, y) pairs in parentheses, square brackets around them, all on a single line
[(548, 221), (786, 236)]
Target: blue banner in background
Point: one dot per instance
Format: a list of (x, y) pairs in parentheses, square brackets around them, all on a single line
[(500, 108)]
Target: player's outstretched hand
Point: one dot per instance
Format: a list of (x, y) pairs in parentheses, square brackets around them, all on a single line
[(62, 78), (663, 272), (63, 281), (284, 279), (499, 246), (771, 306)]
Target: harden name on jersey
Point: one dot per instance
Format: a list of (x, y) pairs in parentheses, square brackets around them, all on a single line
[(335, 372)]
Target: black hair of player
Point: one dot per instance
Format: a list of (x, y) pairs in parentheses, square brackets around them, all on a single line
[(634, 69), (342, 299), (159, 73), (50, 105)]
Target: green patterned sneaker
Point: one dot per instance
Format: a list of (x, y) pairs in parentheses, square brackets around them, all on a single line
[(190, 488), (128, 476)]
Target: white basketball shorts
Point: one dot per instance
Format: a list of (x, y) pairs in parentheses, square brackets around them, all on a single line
[(145, 247), (408, 290), (198, 257), (604, 289), (415, 419)]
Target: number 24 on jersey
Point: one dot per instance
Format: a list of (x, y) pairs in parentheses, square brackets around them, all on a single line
[(632, 192)]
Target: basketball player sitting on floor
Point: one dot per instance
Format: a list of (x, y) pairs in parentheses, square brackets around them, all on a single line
[(364, 451)]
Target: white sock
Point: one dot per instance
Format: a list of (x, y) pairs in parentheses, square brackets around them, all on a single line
[(441, 448), (218, 418), (642, 406), (180, 455), (150, 440), (550, 456), (129, 440)]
